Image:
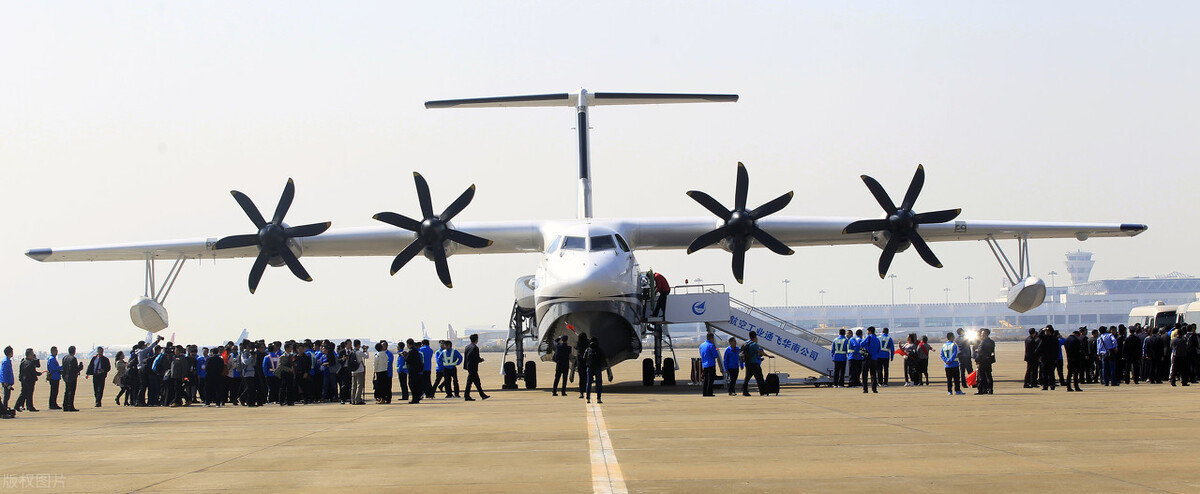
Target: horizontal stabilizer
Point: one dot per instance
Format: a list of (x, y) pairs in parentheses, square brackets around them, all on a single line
[(558, 99), (657, 98), (572, 100)]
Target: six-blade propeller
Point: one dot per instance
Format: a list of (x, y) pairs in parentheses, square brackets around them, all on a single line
[(272, 238), (741, 225), (433, 230), (901, 223)]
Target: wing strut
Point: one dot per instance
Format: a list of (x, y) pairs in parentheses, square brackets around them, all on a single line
[(1022, 270), (155, 292)]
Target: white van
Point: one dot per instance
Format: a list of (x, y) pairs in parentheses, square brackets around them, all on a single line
[(1155, 316), (1189, 313)]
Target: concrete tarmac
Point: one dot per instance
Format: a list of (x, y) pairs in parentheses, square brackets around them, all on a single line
[(1127, 439)]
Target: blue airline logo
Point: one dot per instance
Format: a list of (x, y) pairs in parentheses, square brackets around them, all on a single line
[(698, 308)]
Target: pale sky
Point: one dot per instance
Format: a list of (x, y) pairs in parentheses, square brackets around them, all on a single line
[(124, 122)]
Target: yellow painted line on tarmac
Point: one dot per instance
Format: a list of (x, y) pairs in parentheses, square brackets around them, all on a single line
[(606, 473)]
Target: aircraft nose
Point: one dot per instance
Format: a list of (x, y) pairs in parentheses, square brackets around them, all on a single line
[(597, 273)]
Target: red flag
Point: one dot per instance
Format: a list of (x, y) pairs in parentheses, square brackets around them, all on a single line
[(972, 379)]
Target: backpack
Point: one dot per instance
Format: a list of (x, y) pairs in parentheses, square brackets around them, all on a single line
[(352, 362), (593, 359), (159, 365), (749, 352)]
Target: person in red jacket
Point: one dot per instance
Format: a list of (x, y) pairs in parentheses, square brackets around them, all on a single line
[(662, 287)]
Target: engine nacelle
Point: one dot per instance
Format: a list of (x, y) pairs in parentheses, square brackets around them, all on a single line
[(148, 314), (450, 246), (294, 247), (880, 239), (523, 292), (1027, 295)]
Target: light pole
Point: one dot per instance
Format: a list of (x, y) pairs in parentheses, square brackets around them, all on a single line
[(785, 290), (969, 278), (892, 308), (947, 290), (909, 294), (753, 297), (822, 292), (1052, 301)]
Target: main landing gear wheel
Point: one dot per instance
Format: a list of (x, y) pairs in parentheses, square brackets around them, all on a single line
[(647, 372), (668, 372), (510, 375), (530, 375)]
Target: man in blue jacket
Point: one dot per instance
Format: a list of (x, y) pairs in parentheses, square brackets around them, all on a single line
[(401, 371), (427, 360), (950, 358), (840, 350), (6, 381), (54, 375), (708, 364), (870, 348), (883, 359), (450, 361), (733, 362), (856, 358)]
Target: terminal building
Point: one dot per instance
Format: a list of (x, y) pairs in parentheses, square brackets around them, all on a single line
[(1084, 302)]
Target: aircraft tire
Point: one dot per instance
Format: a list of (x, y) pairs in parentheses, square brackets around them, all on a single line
[(530, 375), (668, 372), (647, 372), (510, 375)]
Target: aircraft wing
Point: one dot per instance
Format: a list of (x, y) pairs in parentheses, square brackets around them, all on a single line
[(678, 233), (507, 237), (527, 236)]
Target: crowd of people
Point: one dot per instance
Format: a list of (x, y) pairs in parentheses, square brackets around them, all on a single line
[(1112, 356), (257, 373), (1106, 355), (869, 359), (250, 373)]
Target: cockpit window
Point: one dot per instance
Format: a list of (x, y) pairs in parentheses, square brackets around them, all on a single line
[(603, 242), (574, 243), (554, 245), (621, 242)]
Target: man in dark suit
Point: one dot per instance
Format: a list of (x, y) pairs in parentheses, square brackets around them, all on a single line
[(214, 382), (1180, 365), (985, 356), (303, 362), (1032, 358), (471, 360), (562, 364), (28, 375), (1048, 356), (287, 378), (416, 372), (98, 368), (1075, 349), (70, 377), (1133, 356)]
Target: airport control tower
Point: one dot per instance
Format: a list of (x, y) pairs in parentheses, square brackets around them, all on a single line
[(1079, 265)]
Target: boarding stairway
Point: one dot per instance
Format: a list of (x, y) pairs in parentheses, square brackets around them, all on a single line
[(705, 303)]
